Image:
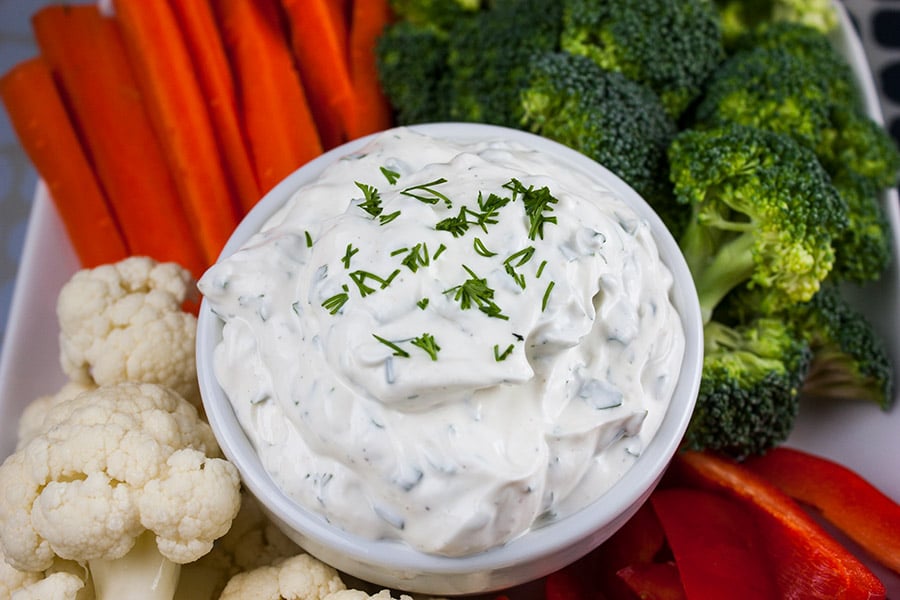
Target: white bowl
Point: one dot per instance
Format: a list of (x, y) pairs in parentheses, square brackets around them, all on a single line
[(536, 553)]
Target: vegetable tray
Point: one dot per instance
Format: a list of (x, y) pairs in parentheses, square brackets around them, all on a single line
[(859, 435)]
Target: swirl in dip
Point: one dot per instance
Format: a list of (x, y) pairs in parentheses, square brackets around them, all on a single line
[(446, 342)]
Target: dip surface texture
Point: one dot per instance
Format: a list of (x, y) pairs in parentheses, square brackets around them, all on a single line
[(447, 343)]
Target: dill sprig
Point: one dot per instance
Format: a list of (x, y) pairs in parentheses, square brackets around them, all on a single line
[(426, 342), (391, 175), (426, 192), (476, 292), (371, 199), (398, 351), (537, 202), (457, 226), (359, 277), (416, 257), (335, 303), (515, 260)]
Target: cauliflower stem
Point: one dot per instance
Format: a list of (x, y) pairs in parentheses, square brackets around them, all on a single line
[(143, 573)]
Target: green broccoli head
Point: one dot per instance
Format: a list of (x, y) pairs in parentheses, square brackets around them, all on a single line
[(671, 46), (749, 389), (850, 360), (602, 114), (770, 88), (863, 250), (764, 213), (739, 17), (489, 57), (412, 69), (854, 142), (438, 14)]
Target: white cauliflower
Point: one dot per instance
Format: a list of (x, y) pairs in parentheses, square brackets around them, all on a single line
[(122, 469), (65, 580), (253, 541), (31, 423), (125, 322), (299, 577)]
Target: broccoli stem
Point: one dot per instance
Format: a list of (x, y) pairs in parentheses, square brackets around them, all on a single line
[(716, 275), (142, 574)]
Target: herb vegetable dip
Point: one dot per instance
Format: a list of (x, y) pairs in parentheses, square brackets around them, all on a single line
[(447, 343)]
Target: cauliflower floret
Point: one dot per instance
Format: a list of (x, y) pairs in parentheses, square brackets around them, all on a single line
[(253, 541), (65, 580), (57, 586), (124, 322), (31, 423), (109, 465), (299, 577)]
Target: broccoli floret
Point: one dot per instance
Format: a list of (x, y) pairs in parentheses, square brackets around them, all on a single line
[(850, 360), (854, 142), (764, 213), (770, 88), (412, 68), (749, 390), (739, 17), (604, 115), (863, 250), (671, 46), (489, 56), (438, 14)]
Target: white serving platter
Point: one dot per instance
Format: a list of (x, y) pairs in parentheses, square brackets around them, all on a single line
[(858, 435)]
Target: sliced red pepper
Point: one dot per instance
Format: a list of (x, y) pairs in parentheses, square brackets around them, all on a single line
[(808, 562), (640, 539), (845, 499), (654, 580), (716, 545)]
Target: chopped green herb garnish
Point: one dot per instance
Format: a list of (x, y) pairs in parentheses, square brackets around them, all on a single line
[(540, 269), (501, 356), (537, 202), (348, 254), (517, 259), (399, 251), (359, 278), (372, 201), (426, 342), (398, 351), (438, 252), (481, 249), (475, 291), (391, 175), (457, 225), (309, 241), (489, 208), (422, 303), (335, 303), (385, 219), (426, 193), (417, 257), (547, 295)]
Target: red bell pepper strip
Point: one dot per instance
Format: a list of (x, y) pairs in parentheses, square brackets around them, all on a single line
[(639, 540), (845, 499), (716, 544), (654, 580), (808, 562)]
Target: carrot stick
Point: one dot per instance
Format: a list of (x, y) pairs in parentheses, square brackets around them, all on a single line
[(201, 33), (277, 117), (372, 112), (165, 75), (87, 56), (318, 30), (43, 127)]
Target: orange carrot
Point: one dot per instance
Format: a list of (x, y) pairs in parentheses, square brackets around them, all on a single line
[(318, 30), (42, 124), (204, 42), (277, 117), (87, 56), (165, 75), (372, 111)]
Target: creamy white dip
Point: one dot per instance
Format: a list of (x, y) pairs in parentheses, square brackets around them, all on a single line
[(447, 343)]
